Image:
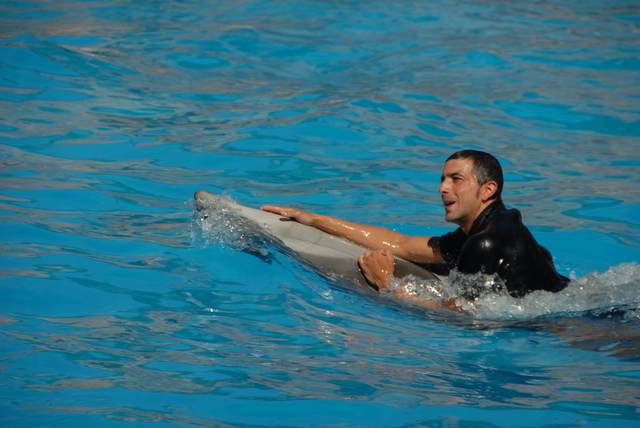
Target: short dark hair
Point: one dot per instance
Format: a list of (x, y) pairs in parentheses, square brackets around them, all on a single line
[(485, 168)]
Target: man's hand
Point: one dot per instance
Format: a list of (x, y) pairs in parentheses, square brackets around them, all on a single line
[(378, 267), (303, 217)]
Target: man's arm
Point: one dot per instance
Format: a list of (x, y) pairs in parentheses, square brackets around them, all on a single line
[(417, 249)]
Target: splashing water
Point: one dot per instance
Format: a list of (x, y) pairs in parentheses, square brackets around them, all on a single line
[(116, 111), (616, 289), (595, 293), (214, 223)]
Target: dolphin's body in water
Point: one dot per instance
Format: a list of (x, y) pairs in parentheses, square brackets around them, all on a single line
[(322, 250)]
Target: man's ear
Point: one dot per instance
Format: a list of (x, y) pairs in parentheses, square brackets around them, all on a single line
[(490, 189)]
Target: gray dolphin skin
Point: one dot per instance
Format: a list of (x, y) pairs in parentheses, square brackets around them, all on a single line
[(322, 250)]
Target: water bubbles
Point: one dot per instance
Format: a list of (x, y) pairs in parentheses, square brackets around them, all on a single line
[(215, 223), (600, 294)]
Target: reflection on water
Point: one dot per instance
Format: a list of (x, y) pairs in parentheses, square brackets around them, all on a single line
[(116, 112), (321, 357)]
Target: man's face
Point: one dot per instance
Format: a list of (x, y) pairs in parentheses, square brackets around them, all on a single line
[(460, 193)]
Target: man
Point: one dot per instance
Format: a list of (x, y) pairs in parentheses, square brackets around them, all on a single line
[(490, 240)]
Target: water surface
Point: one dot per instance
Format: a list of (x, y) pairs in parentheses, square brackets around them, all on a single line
[(117, 311)]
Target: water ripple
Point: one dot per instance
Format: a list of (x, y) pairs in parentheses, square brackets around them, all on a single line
[(116, 112)]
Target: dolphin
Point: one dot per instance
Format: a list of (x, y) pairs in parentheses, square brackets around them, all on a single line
[(324, 251)]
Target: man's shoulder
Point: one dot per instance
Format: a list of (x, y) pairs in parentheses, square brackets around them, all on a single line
[(488, 241), (499, 233), (504, 221), (504, 233)]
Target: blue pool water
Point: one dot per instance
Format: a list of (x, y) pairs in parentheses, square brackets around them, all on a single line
[(118, 310)]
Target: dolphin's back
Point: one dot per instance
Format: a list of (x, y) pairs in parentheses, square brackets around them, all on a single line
[(325, 251)]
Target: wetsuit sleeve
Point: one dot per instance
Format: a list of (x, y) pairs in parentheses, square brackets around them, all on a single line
[(480, 255), (451, 244)]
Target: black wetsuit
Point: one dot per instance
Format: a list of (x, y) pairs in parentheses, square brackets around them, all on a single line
[(498, 243)]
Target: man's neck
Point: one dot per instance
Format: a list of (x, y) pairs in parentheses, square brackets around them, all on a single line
[(483, 208)]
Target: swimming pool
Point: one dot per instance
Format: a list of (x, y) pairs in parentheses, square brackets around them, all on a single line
[(117, 310)]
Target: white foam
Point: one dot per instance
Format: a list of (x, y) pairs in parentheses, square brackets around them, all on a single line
[(215, 223), (618, 287)]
